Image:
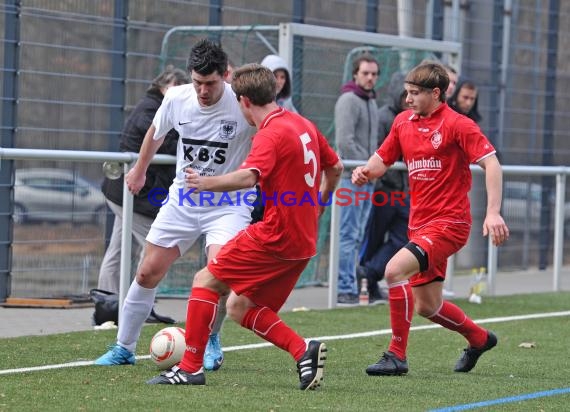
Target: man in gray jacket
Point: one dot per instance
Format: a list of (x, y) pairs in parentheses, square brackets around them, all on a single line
[(356, 129), (387, 228)]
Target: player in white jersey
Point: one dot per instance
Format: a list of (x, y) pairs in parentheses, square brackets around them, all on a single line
[(215, 139)]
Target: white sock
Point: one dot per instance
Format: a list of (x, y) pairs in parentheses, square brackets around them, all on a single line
[(137, 307), (220, 315)]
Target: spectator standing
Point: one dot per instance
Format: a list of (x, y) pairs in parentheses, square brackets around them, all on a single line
[(356, 131), (453, 77), (464, 100), (438, 146), (157, 176), (387, 227), (283, 77)]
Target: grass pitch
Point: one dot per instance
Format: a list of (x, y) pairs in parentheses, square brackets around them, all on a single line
[(508, 378)]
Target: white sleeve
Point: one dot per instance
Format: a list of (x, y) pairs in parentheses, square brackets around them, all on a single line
[(163, 118)]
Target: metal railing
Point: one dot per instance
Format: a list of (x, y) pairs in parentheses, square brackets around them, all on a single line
[(127, 159), (81, 156), (559, 171)]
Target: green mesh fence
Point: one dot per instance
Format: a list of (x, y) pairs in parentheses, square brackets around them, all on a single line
[(319, 69)]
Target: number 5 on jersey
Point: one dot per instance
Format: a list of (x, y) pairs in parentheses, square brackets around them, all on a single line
[(309, 157)]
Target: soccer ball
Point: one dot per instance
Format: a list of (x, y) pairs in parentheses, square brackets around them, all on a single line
[(167, 347)]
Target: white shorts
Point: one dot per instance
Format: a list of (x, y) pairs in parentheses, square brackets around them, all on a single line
[(181, 226)]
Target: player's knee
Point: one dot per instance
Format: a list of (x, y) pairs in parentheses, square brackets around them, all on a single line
[(148, 278), (394, 273), (233, 313), (235, 310), (201, 278), (390, 274), (424, 309)]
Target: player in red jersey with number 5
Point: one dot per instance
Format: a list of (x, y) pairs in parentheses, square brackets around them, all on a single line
[(438, 145), (262, 264)]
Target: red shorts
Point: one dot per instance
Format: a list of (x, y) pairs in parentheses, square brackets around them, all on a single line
[(249, 270), (440, 240)]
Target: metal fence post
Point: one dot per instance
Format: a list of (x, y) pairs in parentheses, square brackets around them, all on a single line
[(333, 251), (8, 132), (558, 230)]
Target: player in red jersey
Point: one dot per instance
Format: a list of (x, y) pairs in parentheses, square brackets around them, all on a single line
[(438, 145), (262, 264)]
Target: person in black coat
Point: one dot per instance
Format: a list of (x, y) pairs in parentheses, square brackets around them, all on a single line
[(158, 177)]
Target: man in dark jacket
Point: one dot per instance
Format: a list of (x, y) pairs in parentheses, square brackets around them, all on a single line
[(158, 177)]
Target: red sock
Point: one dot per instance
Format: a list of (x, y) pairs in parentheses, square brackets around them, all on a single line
[(452, 317), (200, 315), (268, 325), (401, 313)]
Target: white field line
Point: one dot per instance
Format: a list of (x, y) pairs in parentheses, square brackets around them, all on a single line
[(323, 338)]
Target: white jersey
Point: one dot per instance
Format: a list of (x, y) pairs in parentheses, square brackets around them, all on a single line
[(214, 140)]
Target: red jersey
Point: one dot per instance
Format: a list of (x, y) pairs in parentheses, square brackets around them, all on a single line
[(438, 151), (289, 152)]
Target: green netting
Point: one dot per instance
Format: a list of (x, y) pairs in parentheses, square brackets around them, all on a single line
[(319, 69)]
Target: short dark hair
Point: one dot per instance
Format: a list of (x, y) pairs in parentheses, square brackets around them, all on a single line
[(207, 57), (429, 75), (256, 82), (467, 84), (364, 57)]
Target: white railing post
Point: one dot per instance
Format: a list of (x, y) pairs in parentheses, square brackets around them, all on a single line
[(558, 230), (333, 251), (286, 43)]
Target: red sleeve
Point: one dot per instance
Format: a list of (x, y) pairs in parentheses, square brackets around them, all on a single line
[(390, 150), (262, 156), (472, 140)]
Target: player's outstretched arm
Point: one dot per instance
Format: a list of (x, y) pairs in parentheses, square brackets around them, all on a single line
[(329, 181), (373, 169), (494, 225), (137, 175), (240, 179)]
